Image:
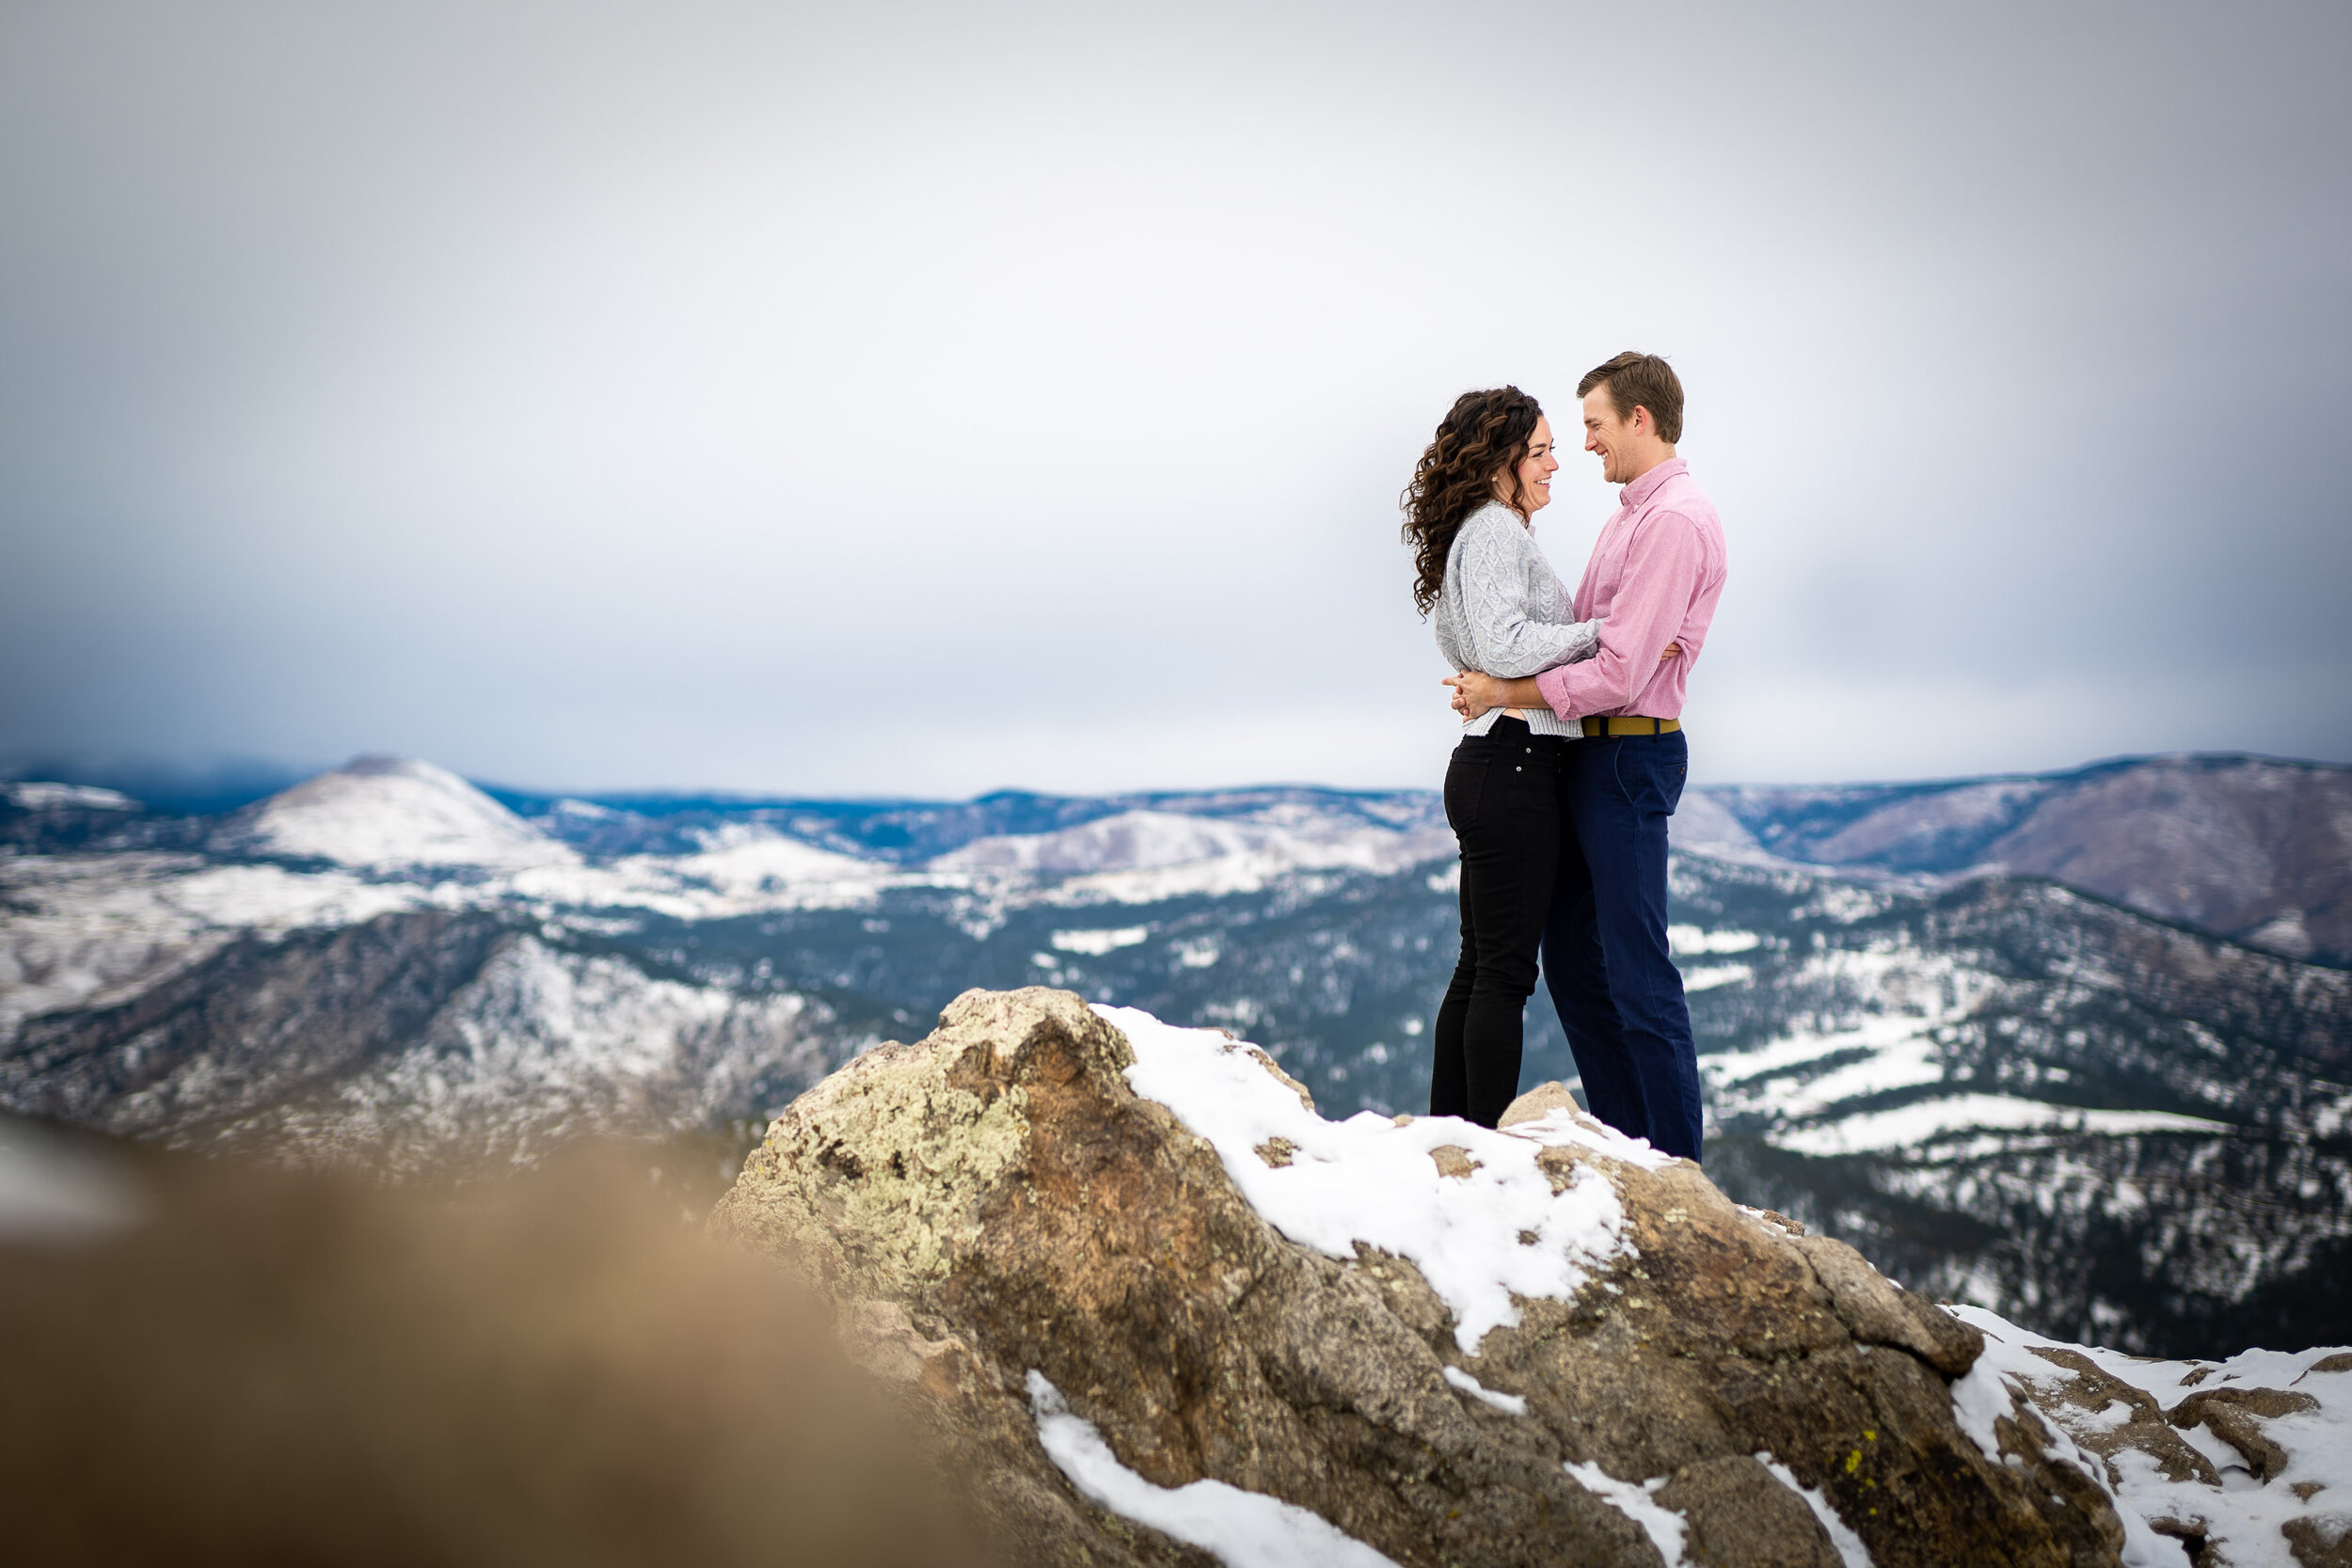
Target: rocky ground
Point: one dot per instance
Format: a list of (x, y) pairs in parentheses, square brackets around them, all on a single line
[(1165, 1313)]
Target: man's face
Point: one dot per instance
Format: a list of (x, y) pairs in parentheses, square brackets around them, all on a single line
[(1610, 437)]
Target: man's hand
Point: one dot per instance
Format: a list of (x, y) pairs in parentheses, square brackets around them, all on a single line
[(1475, 691)]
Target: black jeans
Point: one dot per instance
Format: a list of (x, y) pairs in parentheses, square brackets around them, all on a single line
[(1502, 796), (1605, 953)]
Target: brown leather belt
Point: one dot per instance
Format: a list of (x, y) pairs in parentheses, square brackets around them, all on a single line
[(1596, 727)]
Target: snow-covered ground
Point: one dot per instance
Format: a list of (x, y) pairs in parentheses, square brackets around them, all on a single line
[(2297, 1512)]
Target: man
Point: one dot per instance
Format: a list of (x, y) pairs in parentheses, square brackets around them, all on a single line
[(1655, 576)]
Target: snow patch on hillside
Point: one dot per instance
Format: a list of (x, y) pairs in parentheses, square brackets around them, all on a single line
[(1916, 1125), (1140, 857), (1702, 825), (1806, 1076), (37, 795), (741, 870), (546, 1045), (1691, 940), (91, 930)]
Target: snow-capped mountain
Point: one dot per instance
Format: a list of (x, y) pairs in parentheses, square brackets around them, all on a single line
[(385, 814), (2004, 1090)]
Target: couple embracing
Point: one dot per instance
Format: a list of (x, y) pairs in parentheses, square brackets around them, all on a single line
[(1572, 754)]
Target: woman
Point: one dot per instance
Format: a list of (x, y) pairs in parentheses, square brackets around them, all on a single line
[(1497, 608)]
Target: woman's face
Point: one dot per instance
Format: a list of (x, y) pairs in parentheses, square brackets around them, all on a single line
[(1533, 473)]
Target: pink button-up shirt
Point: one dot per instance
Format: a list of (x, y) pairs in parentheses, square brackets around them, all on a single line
[(1655, 573)]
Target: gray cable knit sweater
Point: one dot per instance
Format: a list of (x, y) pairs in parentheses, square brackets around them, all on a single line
[(1500, 609)]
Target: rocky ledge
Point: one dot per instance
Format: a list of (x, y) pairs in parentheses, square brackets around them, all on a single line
[(1164, 1313)]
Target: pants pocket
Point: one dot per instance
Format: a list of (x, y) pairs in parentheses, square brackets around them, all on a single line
[(1649, 773)]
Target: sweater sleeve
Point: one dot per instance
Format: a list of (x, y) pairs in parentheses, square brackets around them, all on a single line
[(1661, 574), (1492, 559)]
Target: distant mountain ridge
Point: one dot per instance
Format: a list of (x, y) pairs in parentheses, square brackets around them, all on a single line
[(2255, 848), (2101, 1121)]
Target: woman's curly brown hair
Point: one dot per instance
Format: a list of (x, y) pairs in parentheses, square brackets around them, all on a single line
[(1482, 438)]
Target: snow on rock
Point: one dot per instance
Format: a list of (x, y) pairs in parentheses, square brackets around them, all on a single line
[(1510, 1404), (1373, 1180), (1851, 1552), (1666, 1528), (1242, 1529), (383, 813), (2252, 1455), (1230, 1289)]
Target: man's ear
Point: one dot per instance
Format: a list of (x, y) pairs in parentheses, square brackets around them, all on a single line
[(1638, 421)]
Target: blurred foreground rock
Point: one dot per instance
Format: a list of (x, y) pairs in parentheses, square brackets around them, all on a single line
[(1011, 1228), (206, 1366)]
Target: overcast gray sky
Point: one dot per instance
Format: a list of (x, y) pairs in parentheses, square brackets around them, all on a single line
[(923, 399)]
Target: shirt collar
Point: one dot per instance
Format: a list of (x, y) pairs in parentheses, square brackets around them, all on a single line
[(1641, 489)]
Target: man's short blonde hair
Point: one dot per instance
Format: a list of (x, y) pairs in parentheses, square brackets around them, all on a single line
[(1639, 381)]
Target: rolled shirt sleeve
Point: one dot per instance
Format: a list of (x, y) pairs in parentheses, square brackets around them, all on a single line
[(1662, 568)]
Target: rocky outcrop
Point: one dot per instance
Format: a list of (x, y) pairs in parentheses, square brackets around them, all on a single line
[(1640, 1372)]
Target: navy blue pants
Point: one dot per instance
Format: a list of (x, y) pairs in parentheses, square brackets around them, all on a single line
[(1604, 950)]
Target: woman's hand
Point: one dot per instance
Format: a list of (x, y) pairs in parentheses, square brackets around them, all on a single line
[(1474, 692)]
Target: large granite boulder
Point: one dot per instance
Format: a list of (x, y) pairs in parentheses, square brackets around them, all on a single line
[(1166, 1314)]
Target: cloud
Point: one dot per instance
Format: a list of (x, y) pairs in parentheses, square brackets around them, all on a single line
[(923, 399)]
